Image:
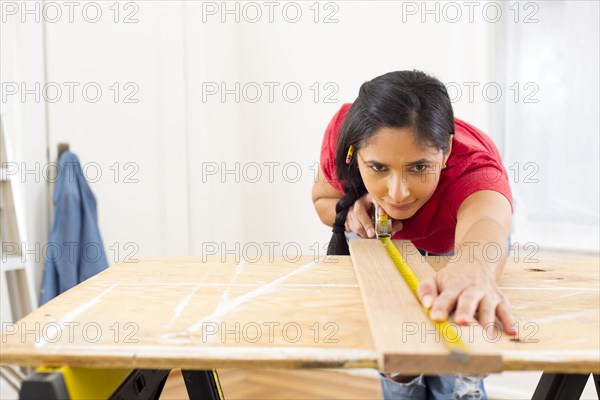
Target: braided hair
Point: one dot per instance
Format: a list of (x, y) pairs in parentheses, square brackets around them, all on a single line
[(400, 99)]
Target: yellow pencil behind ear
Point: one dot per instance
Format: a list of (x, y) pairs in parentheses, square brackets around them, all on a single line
[(349, 154)]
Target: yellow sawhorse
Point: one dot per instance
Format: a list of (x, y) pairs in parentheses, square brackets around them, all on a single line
[(71, 383)]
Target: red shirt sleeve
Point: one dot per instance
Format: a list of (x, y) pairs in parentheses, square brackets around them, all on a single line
[(482, 169), (329, 146), (487, 177)]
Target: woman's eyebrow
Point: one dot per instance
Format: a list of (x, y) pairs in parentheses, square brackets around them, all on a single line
[(409, 164), (419, 162)]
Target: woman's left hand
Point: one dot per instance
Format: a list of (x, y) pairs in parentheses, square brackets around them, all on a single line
[(471, 289)]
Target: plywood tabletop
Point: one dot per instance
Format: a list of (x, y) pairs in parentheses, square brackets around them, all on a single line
[(193, 313), (190, 312)]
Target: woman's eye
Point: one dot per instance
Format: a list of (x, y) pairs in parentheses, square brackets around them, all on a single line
[(377, 168), (419, 168)]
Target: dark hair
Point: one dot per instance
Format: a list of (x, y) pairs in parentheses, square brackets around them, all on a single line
[(400, 99)]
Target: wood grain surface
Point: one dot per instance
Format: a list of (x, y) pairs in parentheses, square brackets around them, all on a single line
[(556, 303), (190, 312), (183, 312)]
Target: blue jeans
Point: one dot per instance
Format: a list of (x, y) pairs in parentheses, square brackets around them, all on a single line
[(468, 387)]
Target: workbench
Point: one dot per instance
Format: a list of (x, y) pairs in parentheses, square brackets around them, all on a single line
[(206, 313)]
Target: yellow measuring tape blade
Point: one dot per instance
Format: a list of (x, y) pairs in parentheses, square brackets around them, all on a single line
[(458, 350)]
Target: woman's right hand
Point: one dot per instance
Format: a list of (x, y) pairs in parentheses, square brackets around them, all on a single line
[(359, 219)]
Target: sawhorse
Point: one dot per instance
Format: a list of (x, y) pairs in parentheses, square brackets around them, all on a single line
[(146, 384), (563, 386), (140, 384)]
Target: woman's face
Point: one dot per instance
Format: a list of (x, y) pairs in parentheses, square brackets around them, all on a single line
[(399, 173)]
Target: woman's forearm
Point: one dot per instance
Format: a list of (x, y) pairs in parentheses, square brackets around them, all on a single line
[(325, 207), (486, 244)]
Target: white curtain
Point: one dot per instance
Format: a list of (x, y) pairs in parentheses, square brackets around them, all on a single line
[(551, 122)]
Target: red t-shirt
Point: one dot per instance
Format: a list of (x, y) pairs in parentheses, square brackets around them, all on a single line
[(474, 164)]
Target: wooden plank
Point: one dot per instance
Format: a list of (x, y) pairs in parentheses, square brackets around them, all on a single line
[(556, 303), (405, 339)]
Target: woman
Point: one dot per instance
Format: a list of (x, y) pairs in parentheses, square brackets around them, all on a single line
[(399, 150)]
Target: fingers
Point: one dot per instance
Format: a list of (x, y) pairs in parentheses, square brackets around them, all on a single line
[(467, 305), (427, 292), (506, 317), (396, 226), (475, 301), (487, 314), (487, 308), (492, 307), (444, 304), (360, 220), (354, 225)]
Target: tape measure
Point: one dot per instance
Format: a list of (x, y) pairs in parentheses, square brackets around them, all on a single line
[(383, 227)]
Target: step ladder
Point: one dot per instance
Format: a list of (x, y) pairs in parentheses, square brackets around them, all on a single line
[(17, 292)]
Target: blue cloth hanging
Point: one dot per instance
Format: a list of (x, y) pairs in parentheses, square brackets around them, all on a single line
[(75, 251)]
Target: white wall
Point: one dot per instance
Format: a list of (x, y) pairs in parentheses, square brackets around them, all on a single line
[(172, 134), (366, 41), (135, 146)]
